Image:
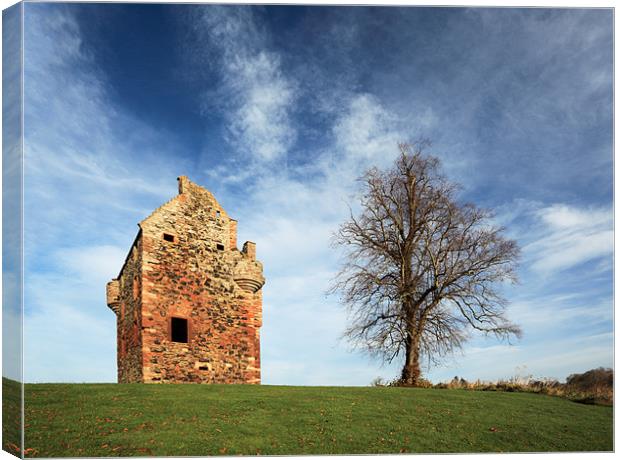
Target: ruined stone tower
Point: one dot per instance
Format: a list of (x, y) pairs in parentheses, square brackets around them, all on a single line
[(188, 303)]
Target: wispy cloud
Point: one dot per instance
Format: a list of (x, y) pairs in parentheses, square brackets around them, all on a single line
[(295, 123), (292, 212), (86, 188), (292, 217), (77, 138), (365, 128), (78, 262), (261, 121), (570, 236), (257, 97), (562, 311)]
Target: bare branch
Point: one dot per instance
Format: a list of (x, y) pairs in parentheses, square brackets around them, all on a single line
[(422, 271)]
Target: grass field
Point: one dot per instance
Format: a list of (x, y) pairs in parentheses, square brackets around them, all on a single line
[(11, 416), (126, 420)]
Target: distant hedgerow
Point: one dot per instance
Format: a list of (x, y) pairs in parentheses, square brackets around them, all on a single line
[(595, 386)]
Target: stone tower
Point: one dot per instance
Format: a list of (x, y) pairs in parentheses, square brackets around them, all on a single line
[(188, 303)]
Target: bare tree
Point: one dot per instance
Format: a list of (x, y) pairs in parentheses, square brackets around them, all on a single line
[(421, 270)]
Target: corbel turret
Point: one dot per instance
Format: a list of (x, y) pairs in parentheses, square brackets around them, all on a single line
[(112, 290)]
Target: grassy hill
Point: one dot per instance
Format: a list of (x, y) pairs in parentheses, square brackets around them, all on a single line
[(124, 420)]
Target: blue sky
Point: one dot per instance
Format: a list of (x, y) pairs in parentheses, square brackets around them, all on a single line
[(277, 110)]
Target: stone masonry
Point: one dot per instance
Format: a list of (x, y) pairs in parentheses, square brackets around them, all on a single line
[(188, 303)]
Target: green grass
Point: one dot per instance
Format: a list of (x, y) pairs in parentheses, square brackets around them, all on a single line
[(11, 415), (177, 420)]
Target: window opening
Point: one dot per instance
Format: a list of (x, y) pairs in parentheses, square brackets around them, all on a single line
[(179, 330), (220, 247), (168, 237)]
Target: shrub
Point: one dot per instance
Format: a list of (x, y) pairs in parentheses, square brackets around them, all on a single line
[(592, 387), (593, 379), (423, 383), (595, 386)]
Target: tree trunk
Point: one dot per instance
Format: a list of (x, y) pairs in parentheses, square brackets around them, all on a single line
[(411, 369)]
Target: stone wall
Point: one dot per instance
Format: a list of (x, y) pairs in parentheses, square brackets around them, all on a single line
[(127, 288), (190, 268)]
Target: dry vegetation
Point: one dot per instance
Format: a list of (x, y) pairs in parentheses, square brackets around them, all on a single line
[(595, 386)]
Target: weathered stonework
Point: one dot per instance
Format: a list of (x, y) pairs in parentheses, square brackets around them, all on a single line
[(184, 264)]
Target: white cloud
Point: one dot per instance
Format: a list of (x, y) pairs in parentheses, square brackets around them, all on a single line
[(563, 312), (261, 123), (366, 130), (97, 263), (257, 97), (79, 147), (560, 216), (85, 191), (291, 215), (82, 154), (570, 236)]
